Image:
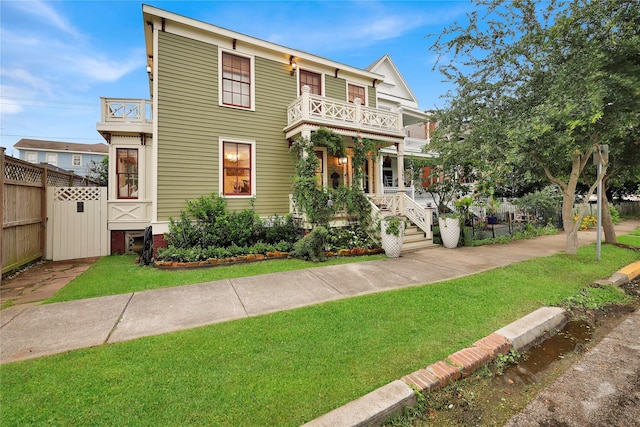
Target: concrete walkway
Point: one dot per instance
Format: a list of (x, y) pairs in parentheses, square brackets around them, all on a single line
[(32, 331)]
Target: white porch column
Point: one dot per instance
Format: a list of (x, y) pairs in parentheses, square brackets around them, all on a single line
[(400, 159), (370, 175), (379, 184), (306, 135)]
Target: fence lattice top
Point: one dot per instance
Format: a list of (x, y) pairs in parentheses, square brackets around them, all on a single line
[(72, 194), (14, 171)]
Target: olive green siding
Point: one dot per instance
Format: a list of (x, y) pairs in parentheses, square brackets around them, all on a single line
[(372, 97), (190, 122), (335, 88)]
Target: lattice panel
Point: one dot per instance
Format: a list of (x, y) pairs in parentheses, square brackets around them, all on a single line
[(72, 194), (23, 173), (56, 180)]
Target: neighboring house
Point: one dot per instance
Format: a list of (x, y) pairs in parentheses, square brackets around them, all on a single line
[(394, 94), (67, 156), (224, 108)]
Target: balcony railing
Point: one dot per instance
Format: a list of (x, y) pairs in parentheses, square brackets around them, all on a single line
[(329, 111), (124, 110)]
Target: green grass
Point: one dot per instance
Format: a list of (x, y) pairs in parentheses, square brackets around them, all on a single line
[(289, 367), (119, 274)]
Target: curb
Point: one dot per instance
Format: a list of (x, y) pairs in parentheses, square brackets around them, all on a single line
[(374, 408), (624, 275)]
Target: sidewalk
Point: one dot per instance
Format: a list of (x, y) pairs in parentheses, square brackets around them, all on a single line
[(30, 331), (600, 389)]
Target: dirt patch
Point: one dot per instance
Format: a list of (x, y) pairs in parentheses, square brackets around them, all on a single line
[(489, 398)]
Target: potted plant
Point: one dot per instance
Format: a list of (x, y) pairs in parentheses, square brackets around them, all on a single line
[(449, 229), (392, 234), (446, 188)]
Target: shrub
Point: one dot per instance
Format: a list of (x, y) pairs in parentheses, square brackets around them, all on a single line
[(348, 237), (615, 215), (311, 246)]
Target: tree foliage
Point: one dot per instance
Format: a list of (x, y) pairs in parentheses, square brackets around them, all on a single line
[(539, 88), (99, 171)]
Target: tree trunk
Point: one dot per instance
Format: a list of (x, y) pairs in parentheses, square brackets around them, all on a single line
[(570, 227), (607, 222)]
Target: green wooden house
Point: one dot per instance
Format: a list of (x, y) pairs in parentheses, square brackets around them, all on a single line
[(223, 110)]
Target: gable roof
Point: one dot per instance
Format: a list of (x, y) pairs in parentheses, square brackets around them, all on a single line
[(394, 86), (173, 22), (37, 144)]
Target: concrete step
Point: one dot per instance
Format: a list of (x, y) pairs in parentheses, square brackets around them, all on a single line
[(415, 240)]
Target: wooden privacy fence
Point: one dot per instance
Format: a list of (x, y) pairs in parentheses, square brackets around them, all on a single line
[(23, 191)]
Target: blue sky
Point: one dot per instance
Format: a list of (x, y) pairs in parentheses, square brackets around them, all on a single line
[(59, 57)]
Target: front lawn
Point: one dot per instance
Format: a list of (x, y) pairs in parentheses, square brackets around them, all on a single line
[(289, 367), (119, 274)]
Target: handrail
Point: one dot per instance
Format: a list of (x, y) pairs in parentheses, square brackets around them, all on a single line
[(419, 215), (401, 204)]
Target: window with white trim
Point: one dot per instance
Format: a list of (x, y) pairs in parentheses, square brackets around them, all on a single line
[(127, 173), (31, 157), (52, 159), (76, 160), (236, 81), (311, 79), (354, 91), (237, 168)]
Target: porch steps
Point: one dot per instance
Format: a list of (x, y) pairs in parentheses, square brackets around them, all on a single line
[(414, 240)]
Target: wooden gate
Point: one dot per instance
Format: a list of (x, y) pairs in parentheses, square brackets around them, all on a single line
[(77, 222)]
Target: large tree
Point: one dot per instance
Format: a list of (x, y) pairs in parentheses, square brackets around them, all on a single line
[(540, 87)]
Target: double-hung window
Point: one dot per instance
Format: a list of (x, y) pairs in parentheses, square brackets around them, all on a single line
[(127, 173), (236, 81), (238, 168), (52, 159), (76, 160)]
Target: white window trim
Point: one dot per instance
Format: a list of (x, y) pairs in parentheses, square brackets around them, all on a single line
[(73, 157), (323, 87), (53, 156), (221, 141), (366, 92), (34, 154), (252, 61)]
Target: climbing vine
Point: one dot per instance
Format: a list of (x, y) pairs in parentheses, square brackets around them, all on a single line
[(321, 204)]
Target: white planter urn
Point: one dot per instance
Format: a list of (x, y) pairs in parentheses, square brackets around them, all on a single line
[(391, 244), (449, 231)]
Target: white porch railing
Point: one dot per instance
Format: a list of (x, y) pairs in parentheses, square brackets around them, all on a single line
[(401, 204), (410, 191), (389, 204), (126, 110), (318, 109)]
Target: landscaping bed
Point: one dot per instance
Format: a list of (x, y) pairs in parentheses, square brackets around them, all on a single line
[(241, 259)]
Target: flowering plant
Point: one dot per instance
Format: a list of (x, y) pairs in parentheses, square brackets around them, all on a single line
[(587, 221)]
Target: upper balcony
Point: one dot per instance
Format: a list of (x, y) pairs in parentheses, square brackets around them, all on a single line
[(125, 115), (310, 112)]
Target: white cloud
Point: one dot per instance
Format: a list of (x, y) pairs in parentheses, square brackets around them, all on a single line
[(45, 13), (21, 75), (99, 68)]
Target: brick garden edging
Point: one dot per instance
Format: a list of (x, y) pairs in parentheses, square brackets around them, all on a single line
[(373, 408)]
